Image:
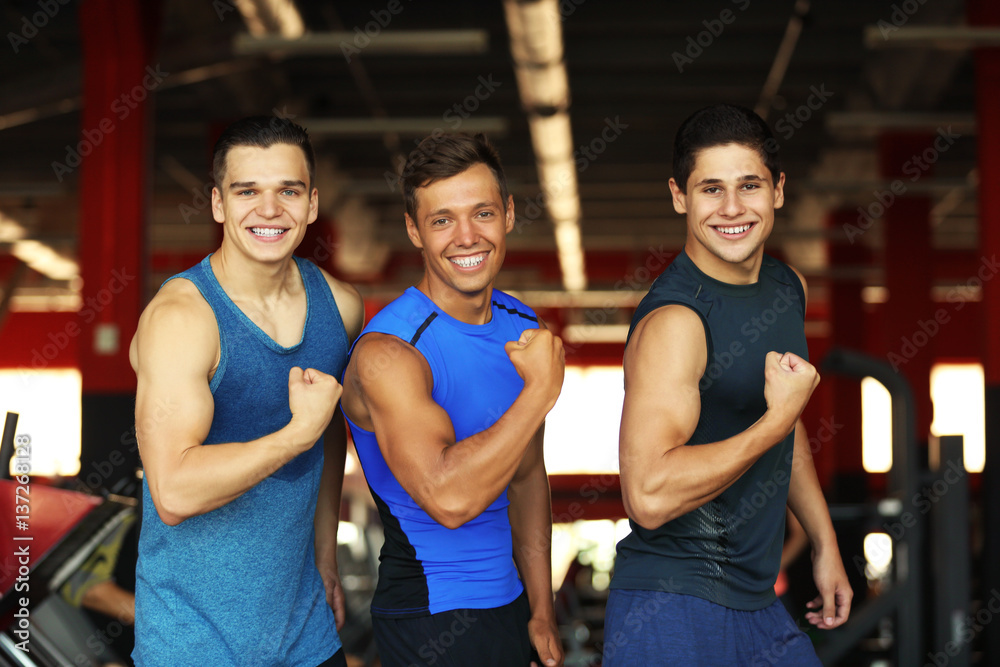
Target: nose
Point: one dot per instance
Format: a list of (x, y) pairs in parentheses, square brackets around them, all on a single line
[(731, 206), (466, 233), (268, 206)]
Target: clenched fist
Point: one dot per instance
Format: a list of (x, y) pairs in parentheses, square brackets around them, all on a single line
[(789, 381), (540, 360), (312, 398)]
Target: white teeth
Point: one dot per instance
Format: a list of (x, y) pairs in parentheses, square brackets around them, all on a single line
[(733, 230), (468, 262), (266, 231)]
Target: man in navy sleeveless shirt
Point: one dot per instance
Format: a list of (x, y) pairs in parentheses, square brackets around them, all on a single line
[(445, 393), (237, 360), (716, 377)]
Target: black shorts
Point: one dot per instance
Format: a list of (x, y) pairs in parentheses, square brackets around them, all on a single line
[(458, 638), (336, 660)]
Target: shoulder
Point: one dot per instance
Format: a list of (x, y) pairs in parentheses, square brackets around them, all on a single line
[(669, 322), (380, 358), (349, 302), (513, 307), (177, 318), (788, 274)]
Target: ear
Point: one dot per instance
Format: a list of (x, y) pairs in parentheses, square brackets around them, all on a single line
[(218, 210), (509, 213), (679, 198), (413, 232), (779, 191), (313, 206)]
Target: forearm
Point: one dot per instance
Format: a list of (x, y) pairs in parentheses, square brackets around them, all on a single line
[(330, 488), (202, 478), (661, 486), (531, 531), (473, 472), (805, 497)]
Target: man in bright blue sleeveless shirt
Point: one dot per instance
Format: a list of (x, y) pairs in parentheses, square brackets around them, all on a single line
[(716, 376), (445, 393), (237, 360)]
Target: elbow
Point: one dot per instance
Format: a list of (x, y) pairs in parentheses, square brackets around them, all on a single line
[(649, 511), (451, 515), (170, 508)]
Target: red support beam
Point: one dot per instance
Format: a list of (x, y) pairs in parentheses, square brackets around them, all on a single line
[(119, 79), (905, 158)]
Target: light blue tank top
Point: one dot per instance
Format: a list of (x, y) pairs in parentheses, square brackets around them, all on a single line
[(239, 585)]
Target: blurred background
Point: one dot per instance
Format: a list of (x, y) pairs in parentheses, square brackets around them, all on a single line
[(884, 113)]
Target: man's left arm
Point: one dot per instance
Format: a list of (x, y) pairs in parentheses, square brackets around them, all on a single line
[(328, 513), (327, 519), (832, 606), (531, 529)]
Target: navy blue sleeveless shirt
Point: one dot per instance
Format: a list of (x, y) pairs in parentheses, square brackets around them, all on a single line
[(728, 550)]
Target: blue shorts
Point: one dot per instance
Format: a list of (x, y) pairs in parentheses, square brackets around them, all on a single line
[(660, 628)]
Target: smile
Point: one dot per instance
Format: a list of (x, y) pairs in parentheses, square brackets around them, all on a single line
[(468, 262), (267, 231), (734, 230)]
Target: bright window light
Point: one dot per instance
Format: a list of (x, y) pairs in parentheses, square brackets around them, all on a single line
[(48, 407), (876, 426), (960, 408), (878, 554), (581, 431)]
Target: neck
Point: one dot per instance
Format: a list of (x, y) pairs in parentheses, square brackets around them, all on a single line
[(243, 278), (746, 272), (469, 308)]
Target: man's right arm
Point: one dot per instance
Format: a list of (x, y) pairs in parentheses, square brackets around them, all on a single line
[(664, 362), (389, 388), (174, 349)]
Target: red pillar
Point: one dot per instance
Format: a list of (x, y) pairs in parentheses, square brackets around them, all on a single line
[(120, 77), (847, 319), (905, 159), (987, 67)]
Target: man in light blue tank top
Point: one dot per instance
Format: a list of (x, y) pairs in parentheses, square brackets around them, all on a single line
[(237, 360), (716, 376), (445, 393)]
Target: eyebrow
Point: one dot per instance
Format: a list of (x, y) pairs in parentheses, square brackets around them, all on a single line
[(448, 211), (719, 181), (240, 185)]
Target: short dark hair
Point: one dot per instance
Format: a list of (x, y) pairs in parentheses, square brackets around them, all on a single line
[(441, 156), (260, 132), (718, 125)]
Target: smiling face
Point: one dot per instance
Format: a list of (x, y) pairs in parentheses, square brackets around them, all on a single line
[(264, 202), (729, 204), (461, 225)]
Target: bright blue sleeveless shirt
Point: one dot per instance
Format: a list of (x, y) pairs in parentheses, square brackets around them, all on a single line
[(728, 550), (239, 585), (424, 567)]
